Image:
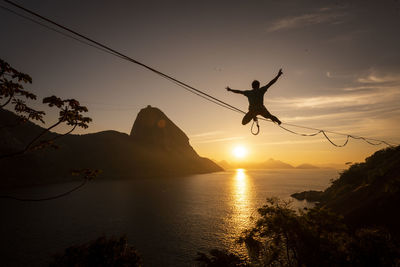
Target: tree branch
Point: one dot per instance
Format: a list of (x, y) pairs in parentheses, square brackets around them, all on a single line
[(46, 198), (8, 101), (32, 142)]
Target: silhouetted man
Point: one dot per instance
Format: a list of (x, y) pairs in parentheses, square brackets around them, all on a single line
[(256, 101)]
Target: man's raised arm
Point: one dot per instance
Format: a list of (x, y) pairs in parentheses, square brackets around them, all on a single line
[(273, 80), (234, 91)]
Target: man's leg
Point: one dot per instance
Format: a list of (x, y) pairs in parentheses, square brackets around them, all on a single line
[(265, 113), (247, 118)]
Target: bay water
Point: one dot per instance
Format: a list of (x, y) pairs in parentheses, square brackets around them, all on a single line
[(168, 220)]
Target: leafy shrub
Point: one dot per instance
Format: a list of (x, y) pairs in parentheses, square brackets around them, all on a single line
[(101, 252)]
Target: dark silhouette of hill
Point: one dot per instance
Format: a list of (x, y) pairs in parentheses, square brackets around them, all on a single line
[(155, 147), (366, 194), (307, 166), (226, 165), (268, 164), (273, 164), (153, 129)]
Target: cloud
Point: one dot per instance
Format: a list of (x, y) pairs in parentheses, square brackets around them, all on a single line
[(351, 99), (212, 137), (368, 101), (366, 89), (323, 15), (206, 134), (350, 115), (372, 99), (376, 79), (339, 75), (372, 81), (219, 140), (308, 140)]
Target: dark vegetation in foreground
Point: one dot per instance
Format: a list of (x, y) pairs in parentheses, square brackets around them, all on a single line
[(355, 223), (280, 237), (317, 237), (101, 252), (366, 194)]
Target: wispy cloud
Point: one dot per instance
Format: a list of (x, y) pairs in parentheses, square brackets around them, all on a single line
[(291, 142), (212, 137), (372, 99), (341, 100), (349, 115), (323, 15), (206, 134), (376, 79), (367, 89), (219, 140), (372, 80)]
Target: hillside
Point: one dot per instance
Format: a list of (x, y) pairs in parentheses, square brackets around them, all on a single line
[(306, 166), (366, 194), (155, 147)]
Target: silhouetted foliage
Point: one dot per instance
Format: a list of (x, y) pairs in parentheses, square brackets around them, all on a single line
[(13, 93), (317, 237), (220, 258), (382, 163), (373, 247), (12, 90), (367, 193), (88, 174), (101, 252)]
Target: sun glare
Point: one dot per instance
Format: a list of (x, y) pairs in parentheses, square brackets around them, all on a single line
[(240, 152)]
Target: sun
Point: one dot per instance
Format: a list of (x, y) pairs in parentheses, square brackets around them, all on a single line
[(239, 152)]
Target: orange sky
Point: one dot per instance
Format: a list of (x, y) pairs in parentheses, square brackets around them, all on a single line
[(340, 62)]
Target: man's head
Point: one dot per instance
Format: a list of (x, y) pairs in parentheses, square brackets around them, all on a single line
[(255, 84)]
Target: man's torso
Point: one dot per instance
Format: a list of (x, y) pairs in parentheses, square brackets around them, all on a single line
[(256, 99)]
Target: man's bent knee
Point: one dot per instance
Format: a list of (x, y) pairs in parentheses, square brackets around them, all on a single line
[(244, 122), (247, 118)]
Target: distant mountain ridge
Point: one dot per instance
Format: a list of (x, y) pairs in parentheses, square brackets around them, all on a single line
[(155, 147), (268, 164)]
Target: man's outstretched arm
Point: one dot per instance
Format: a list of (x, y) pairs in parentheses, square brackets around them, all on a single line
[(234, 91), (273, 80)]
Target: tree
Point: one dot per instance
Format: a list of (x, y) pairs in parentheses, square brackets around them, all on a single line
[(101, 252), (220, 258), (316, 237), (13, 93)]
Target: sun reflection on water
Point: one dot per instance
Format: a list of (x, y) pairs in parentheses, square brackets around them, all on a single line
[(241, 205), (240, 186)]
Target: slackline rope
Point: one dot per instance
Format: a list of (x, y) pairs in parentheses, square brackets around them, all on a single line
[(97, 45), (255, 121), (46, 198), (88, 41)]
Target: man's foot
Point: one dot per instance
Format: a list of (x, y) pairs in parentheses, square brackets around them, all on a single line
[(278, 121)]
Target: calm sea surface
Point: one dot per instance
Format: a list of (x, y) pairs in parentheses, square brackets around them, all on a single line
[(167, 220)]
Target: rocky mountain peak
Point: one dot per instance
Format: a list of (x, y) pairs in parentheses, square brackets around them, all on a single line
[(153, 128)]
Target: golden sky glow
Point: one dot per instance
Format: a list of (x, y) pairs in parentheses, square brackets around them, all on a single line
[(335, 76), (240, 151)]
